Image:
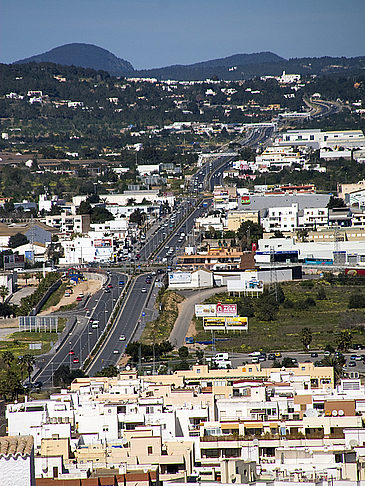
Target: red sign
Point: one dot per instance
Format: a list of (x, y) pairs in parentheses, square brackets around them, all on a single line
[(254, 246), (106, 242), (224, 310)]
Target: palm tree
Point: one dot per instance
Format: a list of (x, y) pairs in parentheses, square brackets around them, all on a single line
[(4, 291), (337, 364), (26, 364)]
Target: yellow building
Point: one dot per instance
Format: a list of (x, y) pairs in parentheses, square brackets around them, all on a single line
[(236, 218)]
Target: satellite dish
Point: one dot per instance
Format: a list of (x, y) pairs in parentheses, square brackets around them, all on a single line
[(311, 412), (353, 443), (334, 413), (341, 412)]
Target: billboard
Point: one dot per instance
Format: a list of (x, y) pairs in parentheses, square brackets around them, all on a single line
[(179, 277), (13, 261), (215, 310), (205, 310), (38, 323), (225, 310), (237, 323), (103, 243), (225, 324), (215, 323), (254, 285)]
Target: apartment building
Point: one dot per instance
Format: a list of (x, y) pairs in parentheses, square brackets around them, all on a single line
[(280, 218), (213, 259), (278, 157), (67, 223), (222, 426)]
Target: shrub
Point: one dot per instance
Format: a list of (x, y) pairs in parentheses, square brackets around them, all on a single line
[(356, 301)]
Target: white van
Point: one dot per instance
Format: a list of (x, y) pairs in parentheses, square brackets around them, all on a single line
[(221, 357)]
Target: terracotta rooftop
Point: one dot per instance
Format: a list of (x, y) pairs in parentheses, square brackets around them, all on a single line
[(16, 445)]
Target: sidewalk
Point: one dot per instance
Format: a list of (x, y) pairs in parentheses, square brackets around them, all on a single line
[(187, 308)]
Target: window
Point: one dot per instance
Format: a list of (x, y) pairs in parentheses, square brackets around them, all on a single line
[(149, 450)]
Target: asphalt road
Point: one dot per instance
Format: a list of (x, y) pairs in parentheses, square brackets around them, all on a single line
[(83, 337), (128, 319)]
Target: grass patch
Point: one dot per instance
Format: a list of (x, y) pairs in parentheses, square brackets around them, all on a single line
[(68, 307), (19, 341), (325, 320), (55, 297), (159, 330), (19, 344)]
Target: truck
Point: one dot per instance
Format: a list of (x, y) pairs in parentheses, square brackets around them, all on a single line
[(224, 364)]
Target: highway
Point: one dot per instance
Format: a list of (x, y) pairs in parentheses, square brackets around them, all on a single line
[(84, 335), (161, 246), (128, 318)]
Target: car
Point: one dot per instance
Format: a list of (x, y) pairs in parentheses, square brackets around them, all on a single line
[(76, 360), (277, 355), (121, 282), (78, 298), (352, 364), (255, 354), (148, 280), (81, 294), (116, 351), (71, 352), (107, 291), (262, 358), (314, 355), (143, 290), (271, 356), (122, 337), (327, 353)]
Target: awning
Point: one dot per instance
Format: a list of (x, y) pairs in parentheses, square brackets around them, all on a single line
[(229, 426)]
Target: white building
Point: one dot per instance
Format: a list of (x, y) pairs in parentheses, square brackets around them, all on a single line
[(280, 218), (17, 461), (87, 250), (278, 157), (317, 139), (200, 279)]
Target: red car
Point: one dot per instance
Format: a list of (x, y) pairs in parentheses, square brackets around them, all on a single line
[(110, 286), (71, 352), (76, 360)]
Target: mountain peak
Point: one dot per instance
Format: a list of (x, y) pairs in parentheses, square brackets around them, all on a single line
[(83, 55)]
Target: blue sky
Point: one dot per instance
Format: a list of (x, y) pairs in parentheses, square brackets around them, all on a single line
[(155, 33)]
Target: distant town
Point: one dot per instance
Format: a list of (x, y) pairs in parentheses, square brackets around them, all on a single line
[(182, 279)]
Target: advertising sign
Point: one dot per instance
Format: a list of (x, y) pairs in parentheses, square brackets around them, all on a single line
[(226, 310), (105, 242), (245, 200), (254, 285), (214, 323), (237, 323), (205, 310), (13, 261), (179, 277)]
